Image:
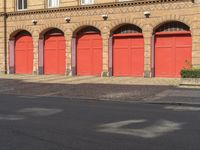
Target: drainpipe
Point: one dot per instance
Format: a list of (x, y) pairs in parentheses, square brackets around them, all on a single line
[(5, 35), (153, 56), (110, 56)]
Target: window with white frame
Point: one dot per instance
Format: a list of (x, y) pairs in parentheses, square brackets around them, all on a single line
[(21, 4), (87, 2), (53, 3)]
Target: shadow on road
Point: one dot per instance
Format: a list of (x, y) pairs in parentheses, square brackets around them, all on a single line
[(81, 90)]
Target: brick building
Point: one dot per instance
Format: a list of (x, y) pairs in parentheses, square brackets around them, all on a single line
[(149, 38)]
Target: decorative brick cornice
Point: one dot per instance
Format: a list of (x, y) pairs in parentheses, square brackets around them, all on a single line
[(3, 14), (95, 6)]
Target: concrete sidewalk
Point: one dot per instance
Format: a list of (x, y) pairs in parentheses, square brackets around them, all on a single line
[(148, 90), (59, 79)]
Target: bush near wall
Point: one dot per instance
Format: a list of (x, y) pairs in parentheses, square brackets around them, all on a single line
[(190, 73)]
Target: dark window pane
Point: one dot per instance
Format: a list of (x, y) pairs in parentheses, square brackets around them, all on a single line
[(173, 26), (50, 3), (25, 4), (128, 28), (19, 4)]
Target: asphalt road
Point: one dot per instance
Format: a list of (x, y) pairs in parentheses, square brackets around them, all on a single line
[(35, 123)]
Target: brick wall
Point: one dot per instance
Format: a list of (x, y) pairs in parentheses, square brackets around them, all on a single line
[(186, 12)]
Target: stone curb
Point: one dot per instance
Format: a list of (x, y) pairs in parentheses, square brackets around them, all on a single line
[(130, 101), (176, 103), (189, 86), (116, 100), (190, 82)]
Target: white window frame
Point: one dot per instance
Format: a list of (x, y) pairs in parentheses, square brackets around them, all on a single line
[(58, 3), (23, 7), (87, 2)]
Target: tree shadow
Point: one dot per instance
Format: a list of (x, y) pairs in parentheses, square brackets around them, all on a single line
[(82, 90)]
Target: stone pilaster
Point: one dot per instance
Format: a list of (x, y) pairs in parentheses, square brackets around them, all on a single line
[(35, 52), (105, 38), (2, 48), (196, 44), (147, 34), (70, 70)]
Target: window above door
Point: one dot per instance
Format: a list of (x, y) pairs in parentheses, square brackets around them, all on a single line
[(87, 2), (21, 5), (53, 3)]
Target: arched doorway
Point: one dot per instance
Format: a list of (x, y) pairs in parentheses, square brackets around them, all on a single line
[(54, 58), (21, 53), (173, 49), (88, 52), (128, 51)]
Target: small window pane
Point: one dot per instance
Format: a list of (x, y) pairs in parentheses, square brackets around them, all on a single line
[(21, 4), (25, 4), (86, 2), (53, 3), (50, 3)]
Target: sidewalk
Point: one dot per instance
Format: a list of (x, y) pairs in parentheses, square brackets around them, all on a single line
[(147, 90), (87, 79)]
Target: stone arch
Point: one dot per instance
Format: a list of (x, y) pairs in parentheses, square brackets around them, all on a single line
[(172, 26), (136, 28), (170, 18), (114, 25), (48, 27), (57, 34), (87, 30), (15, 30), (169, 27), (20, 34), (77, 27)]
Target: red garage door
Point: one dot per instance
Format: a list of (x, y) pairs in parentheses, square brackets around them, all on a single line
[(89, 54), (24, 54), (128, 55), (54, 54), (172, 53)]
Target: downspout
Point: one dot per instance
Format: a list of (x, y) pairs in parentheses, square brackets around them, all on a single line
[(153, 56), (5, 35)]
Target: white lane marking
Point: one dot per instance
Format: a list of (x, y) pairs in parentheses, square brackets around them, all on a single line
[(119, 95), (160, 128), (40, 111), (11, 117), (122, 123), (183, 108)]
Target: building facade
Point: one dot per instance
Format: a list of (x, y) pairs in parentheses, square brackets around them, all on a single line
[(145, 38)]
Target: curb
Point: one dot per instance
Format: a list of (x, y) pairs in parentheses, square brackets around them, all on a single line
[(112, 100), (175, 103), (189, 86)]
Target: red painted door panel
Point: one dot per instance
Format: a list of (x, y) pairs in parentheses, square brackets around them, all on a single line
[(24, 54), (183, 53), (54, 55), (128, 56), (172, 52), (89, 54), (164, 59)]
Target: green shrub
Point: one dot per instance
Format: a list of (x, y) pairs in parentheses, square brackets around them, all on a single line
[(190, 73)]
